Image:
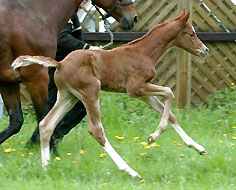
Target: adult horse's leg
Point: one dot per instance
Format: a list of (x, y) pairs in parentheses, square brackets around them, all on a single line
[(95, 128), (11, 98), (65, 101), (36, 80), (158, 106)]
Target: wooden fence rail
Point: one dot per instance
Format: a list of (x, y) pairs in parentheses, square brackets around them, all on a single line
[(129, 36)]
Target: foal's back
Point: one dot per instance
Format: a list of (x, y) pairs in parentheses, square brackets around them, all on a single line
[(113, 68)]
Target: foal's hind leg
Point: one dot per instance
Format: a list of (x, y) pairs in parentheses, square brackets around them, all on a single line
[(65, 101), (95, 128), (158, 106)]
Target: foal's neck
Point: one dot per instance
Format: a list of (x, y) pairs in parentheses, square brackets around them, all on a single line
[(157, 41)]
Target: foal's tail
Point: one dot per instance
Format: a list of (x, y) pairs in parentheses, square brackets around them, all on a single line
[(27, 60)]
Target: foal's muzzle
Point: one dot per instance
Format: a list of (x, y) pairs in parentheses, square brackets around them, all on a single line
[(204, 51)]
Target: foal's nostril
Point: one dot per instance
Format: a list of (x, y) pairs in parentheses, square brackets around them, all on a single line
[(135, 19)]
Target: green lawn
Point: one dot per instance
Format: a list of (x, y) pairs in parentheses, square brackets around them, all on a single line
[(168, 166)]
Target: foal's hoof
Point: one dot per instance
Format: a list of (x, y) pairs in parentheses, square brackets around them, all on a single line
[(139, 176), (204, 152), (135, 174), (151, 139)]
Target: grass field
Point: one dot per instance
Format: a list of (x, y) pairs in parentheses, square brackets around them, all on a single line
[(169, 165)]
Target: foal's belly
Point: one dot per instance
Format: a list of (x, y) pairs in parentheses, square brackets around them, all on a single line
[(110, 89)]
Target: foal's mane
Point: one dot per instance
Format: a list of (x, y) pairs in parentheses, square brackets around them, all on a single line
[(154, 29)]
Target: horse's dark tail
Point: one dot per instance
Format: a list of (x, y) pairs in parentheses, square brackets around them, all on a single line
[(27, 60)]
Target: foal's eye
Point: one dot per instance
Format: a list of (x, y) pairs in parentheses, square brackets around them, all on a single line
[(191, 35)]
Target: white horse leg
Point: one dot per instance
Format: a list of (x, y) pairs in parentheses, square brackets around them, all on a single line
[(188, 140), (121, 164), (158, 106), (95, 128), (63, 104)]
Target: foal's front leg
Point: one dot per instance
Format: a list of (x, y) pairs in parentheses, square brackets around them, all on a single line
[(158, 106), (147, 89)]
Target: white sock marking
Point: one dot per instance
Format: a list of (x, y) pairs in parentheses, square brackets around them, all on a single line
[(45, 154), (188, 140), (122, 165)]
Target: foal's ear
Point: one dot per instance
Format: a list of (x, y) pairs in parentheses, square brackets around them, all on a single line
[(183, 20), (181, 14)]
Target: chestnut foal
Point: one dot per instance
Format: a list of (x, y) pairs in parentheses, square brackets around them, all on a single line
[(128, 69)]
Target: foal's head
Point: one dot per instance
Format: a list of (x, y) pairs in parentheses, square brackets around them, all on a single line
[(187, 38), (122, 10)]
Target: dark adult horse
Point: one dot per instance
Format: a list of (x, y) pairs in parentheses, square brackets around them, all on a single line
[(30, 27)]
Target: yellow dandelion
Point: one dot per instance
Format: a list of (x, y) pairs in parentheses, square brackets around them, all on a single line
[(156, 183), (142, 181), (22, 142), (143, 143), (234, 102), (178, 144), (234, 127), (22, 155), (135, 138), (102, 155), (225, 135), (177, 109), (74, 162), (182, 155), (232, 144), (69, 154), (119, 138), (82, 152), (143, 154), (8, 150), (104, 184), (31, 153), (234, 138), (232, 83), (155, 145), (147, 147), (13, 150), (57, 158)]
